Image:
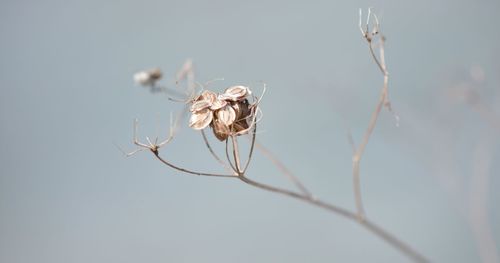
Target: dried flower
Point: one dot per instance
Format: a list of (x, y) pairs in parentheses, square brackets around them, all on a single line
[(227, 114), (147, 77)]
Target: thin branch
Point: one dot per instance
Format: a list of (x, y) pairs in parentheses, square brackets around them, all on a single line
[(236, 155), (216, 157), (156, 153), (229, 158), (357, 217), (252, 146), (356, 159)]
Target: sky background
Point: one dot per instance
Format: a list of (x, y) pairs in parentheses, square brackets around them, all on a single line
[(66, 96)]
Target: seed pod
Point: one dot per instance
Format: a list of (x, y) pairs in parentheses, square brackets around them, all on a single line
[(226, 115), (242, 109), (243, 115), (220, 130), (218, 103), (209, 96), (201, 119), (199, 105)]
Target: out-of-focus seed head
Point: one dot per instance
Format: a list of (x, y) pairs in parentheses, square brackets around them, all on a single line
[(147, 77)]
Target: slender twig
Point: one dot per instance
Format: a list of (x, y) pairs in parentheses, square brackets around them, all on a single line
[(229, 158), (236, 155), (304, 195), (380, 232), (356, 159), (157, 154), (252, 146), (210, 149)]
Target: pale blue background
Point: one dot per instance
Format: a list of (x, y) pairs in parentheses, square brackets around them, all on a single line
[(66, 94)]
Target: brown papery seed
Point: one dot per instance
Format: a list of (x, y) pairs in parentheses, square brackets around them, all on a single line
[(201, 119), (235, 93), (226, 115), (199, 105), (209, 96), (218, 103), (220, 130)]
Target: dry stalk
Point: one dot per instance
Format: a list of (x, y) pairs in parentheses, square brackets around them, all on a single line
[(240, 174), (237, 170), (369, 36)]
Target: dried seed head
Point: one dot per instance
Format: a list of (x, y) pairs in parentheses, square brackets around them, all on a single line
[(236, 93), (226, 115), (201, 119), (147, 77)]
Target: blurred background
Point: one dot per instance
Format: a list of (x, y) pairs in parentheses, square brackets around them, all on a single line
[(67, 194)]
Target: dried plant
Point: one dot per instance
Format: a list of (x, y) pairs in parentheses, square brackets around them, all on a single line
[(235, 112)]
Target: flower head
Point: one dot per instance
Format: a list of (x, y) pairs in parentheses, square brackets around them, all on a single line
[(227, 114)]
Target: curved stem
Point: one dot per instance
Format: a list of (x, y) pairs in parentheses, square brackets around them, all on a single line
[(356, 158), (252, 145), (157, 154), (228, 158), (205, 139), (236, 155)]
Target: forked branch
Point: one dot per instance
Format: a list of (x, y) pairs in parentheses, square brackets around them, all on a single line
[(230, 115), (370, 35)]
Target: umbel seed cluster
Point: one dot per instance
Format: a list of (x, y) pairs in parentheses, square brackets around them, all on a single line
[(228, 114)]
